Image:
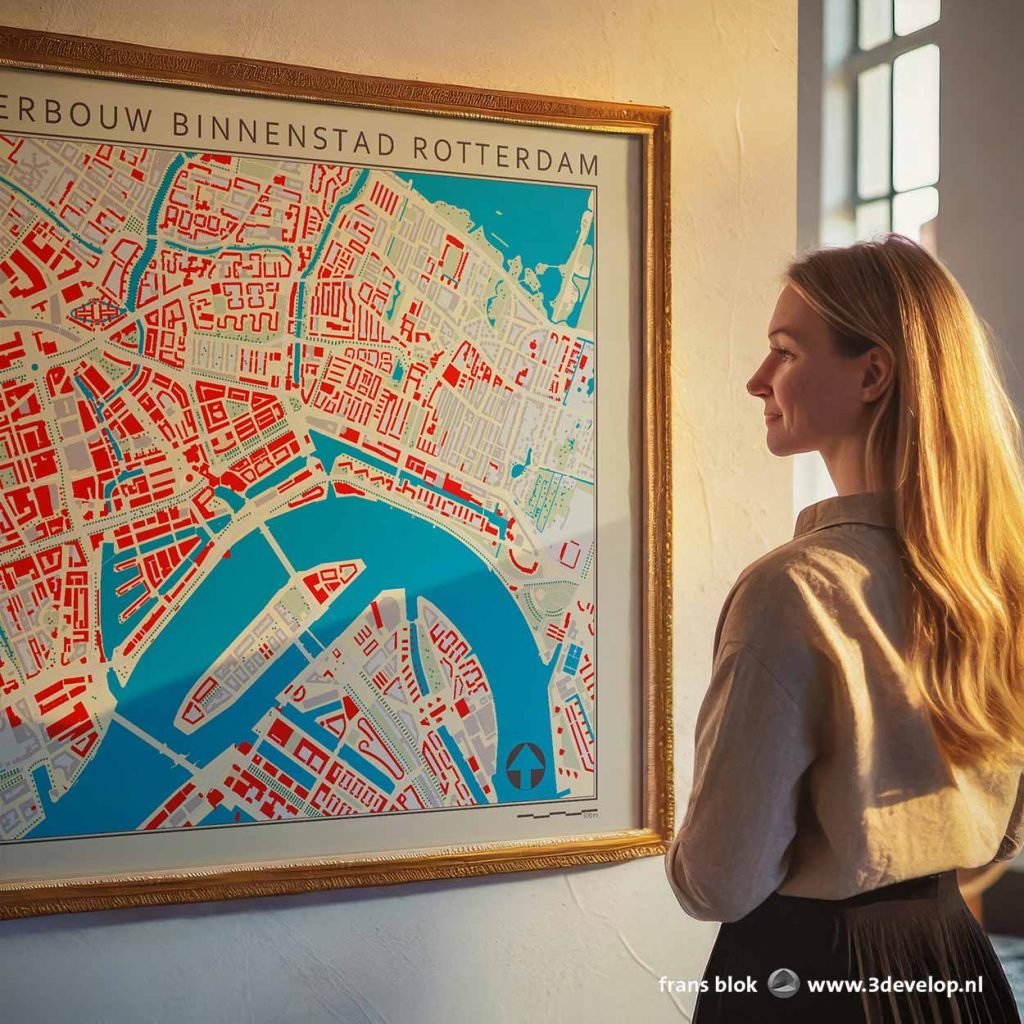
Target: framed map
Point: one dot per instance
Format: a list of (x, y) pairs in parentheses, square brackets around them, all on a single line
[(334, 479)]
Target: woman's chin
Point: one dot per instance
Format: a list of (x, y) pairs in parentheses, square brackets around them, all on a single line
[(779, 444)]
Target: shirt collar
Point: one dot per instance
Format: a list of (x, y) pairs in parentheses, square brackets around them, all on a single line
[(876, 508)]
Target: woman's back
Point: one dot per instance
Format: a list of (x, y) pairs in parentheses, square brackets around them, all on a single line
[(811, 701)]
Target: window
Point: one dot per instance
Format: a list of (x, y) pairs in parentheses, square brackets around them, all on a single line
[(896, 117), (868, 138)]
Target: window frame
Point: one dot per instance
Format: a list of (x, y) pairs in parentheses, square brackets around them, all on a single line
[(860, 60)]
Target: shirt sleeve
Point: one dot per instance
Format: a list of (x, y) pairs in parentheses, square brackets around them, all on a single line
[(1013, 841), (754, 742)]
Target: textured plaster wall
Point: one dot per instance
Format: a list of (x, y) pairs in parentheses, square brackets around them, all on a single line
[(588, 944)]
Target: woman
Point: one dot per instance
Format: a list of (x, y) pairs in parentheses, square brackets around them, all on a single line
[(862, 737)]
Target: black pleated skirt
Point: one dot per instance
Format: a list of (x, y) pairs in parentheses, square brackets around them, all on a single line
[(919, 932)]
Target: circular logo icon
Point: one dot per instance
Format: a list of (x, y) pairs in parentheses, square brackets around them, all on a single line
[(783, 983), (525, 766)]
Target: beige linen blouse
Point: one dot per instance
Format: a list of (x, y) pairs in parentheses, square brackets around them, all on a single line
[(816, 770)]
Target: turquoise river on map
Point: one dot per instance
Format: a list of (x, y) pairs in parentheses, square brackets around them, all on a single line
[(127, 779)]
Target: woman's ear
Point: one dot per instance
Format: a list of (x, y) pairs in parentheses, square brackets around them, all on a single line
[(879, 373)]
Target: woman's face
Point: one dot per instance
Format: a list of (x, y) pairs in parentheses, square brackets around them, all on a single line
[(814, 399)]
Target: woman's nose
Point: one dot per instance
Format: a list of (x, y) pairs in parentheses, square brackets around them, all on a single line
[(754, 385)]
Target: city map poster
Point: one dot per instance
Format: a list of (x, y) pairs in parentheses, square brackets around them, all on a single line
[(330, 430)]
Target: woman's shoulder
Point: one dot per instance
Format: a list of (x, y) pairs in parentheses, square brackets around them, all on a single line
[(816, 558), (781, 590)]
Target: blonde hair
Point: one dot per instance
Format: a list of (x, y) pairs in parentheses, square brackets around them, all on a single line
[(944, 438)]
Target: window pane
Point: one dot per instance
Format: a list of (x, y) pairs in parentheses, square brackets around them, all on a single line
[(873, 218), (916, 118), (873, 131), (875, 23), (914, 14), (912, 209)]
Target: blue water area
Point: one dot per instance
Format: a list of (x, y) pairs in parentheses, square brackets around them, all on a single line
[(89, 396), (329, 448), (575, 698), (217, 249), (221, 815), (232, 725), (414, 654), (300, 312), (135, 279), (118, 790), (307, 722), (397, 375), (98, 409), (520, 467), (538, 222), (113, 444), (214, 615), (234, 500), (128, 779), (550, 284), (460, 762), (339, 205), (390, 311), (399, 550), (125, 474), (364, 767), (312, 643), (491, 299), (572, 659)]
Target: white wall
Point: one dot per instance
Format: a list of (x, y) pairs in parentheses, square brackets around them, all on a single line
[(588, 944), (981, 154)]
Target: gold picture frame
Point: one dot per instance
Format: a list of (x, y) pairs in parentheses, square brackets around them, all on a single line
[(73, 873)]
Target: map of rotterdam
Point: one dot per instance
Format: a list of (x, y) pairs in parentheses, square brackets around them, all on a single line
[(297, 500)]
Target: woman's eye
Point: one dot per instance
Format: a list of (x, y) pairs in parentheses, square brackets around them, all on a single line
[(782, 351)]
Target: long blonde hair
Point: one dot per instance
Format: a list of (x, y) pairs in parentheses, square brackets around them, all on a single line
[(946, 440)]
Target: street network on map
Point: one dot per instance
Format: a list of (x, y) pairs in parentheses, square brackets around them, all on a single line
[(297, 490)]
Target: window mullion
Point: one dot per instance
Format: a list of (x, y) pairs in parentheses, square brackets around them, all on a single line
[(861, 60), (892, 137)]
